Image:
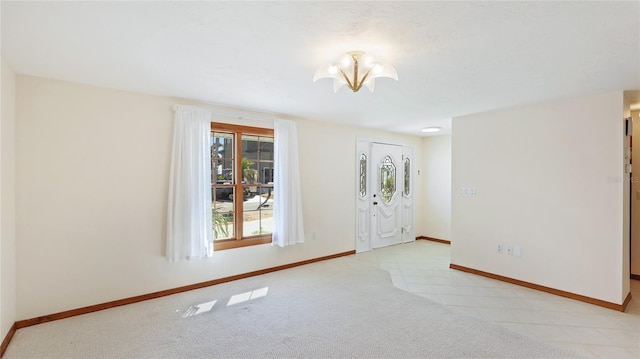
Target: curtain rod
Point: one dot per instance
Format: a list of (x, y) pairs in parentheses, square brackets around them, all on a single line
[(240, 117), (224, 114)]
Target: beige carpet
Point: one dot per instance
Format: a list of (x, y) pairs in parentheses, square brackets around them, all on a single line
[(342, 308)]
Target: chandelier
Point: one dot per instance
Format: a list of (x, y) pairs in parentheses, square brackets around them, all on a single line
[(355, 69)]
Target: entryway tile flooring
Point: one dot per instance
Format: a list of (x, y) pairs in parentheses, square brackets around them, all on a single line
[(422, 267)]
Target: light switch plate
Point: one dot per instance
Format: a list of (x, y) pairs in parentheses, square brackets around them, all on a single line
[(517, 251)]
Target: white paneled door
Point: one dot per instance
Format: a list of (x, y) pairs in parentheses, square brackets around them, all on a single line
[(385, 198), (386, 201)]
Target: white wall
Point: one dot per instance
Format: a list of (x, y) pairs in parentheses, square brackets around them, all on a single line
[(436, 181), (548, 177), (92, 177), (7, 201)]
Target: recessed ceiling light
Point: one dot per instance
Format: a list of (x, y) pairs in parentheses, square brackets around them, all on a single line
[(431, 129)]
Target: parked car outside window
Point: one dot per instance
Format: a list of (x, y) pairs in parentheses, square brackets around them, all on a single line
[(226, 193)]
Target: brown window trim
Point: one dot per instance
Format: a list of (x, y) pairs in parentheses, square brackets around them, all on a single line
[(239, 130), (247, 130), (237, 243)]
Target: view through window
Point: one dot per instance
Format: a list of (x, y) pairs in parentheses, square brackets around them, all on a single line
[(241, 185)]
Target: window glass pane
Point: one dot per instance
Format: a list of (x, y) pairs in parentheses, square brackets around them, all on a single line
[(266, 148), (250, 147), (258, 212), (223, 170), (265, 171), (249, 171), (223, 214), (221, 157), (222, 145)]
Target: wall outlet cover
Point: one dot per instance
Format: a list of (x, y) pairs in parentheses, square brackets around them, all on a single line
[(509, 250), (517, 251)]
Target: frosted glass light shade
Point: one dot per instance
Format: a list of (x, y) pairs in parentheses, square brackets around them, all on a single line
[(355, 69)]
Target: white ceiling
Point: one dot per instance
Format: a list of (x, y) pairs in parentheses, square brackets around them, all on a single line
[(452, 58)]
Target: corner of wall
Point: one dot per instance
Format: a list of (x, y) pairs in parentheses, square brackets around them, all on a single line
[(7, 200), (635, 203), (436, 183)]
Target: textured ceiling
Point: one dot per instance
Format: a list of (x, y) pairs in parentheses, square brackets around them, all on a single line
[(452, 58)]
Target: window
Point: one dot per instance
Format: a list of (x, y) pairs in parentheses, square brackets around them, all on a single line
[(241, 185)]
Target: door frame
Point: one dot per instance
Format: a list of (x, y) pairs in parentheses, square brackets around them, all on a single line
[(363, 194)]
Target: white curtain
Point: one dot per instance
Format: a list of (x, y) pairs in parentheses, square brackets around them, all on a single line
[(189, 227), (287, 206)]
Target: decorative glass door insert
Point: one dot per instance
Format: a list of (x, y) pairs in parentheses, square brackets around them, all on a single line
[(407, 177), (387, 179), (363, 175)]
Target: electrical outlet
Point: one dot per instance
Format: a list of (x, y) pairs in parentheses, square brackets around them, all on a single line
[(509, 249), (468, 192), (500, 248)]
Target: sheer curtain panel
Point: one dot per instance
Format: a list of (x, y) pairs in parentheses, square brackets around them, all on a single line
[(189, 214), (287, 207)]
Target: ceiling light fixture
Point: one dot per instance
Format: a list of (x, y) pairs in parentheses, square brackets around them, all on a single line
[(431, 129), (355, 69)]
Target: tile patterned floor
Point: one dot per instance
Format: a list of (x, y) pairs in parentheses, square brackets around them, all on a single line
[(422, 267)]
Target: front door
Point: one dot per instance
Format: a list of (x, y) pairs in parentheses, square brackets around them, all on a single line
[(386, 200)]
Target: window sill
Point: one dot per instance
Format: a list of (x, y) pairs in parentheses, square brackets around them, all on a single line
[(236, 243)]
